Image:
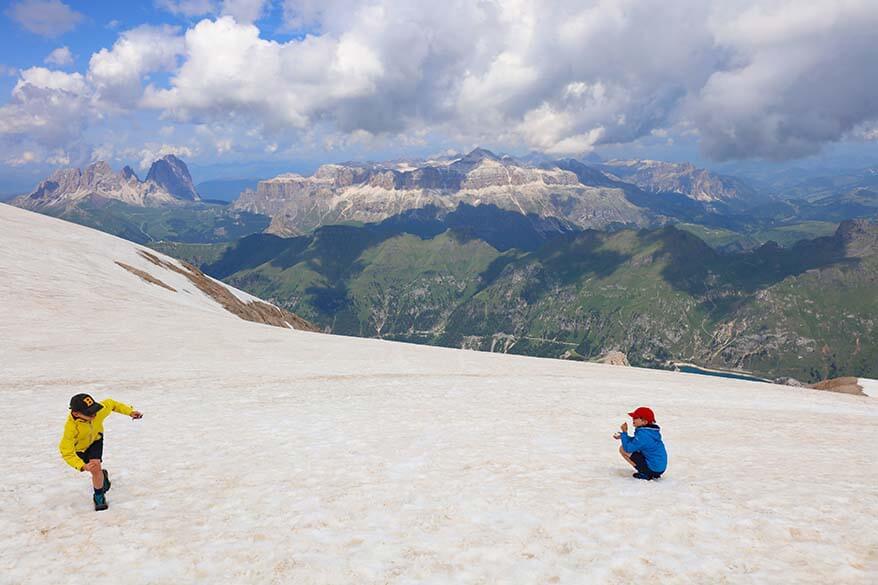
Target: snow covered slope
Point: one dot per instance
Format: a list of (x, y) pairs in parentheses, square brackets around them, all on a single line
[(268, 455)]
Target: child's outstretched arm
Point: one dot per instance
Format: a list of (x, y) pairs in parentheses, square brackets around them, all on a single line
[(121, 408)]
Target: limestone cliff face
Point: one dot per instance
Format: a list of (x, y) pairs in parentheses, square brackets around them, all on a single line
[(371, 193), (168, 183)]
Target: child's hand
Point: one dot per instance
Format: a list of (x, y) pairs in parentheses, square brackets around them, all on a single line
[(617, 436), (136, 414), (92, 465), (624, 427)]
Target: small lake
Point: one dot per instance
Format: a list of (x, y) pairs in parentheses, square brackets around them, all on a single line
[(689, 369)]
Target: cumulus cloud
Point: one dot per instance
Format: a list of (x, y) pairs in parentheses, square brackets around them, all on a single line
[(230, 71), (152, 152), (244, 10), (477, 71), (748, 78), (48, 18), (803, 75), (117, 73), (48, 110), (60, 57), (188, 8)]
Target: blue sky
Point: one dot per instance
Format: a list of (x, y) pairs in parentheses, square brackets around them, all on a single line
[(254, 87)]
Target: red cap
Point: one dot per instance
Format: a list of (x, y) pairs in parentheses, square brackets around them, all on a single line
[(643, 412)]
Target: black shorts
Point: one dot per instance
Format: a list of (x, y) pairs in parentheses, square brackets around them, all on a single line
[(640, 461), (94, 451)]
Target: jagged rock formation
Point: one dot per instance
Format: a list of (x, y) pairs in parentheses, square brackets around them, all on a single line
[(374, 192), (172, 174), (167, 183)]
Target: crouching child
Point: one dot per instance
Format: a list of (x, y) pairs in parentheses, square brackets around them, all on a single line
[(82, 445), (645, 451)]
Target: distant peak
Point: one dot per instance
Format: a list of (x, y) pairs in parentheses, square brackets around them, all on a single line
[(100, 167), (172, 174), (480, 153), (128, 172)]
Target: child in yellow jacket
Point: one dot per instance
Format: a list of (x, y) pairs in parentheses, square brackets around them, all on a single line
[(82, 445)]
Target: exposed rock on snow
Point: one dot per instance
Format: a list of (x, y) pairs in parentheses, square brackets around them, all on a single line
[(252, 310), (614, 358), (789, 382), (271, 455), (845, 385), (146, 276)]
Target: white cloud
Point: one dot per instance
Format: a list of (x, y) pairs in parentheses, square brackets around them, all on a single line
[(48, 110), (22, 158), (244, 10), (60, 57), (188, 8), (48, 18), (801, 77), (767, 78), (152, 152), (42, 78), (230, 72), (117, 73)]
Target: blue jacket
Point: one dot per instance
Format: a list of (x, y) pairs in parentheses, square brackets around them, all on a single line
[(648, 440)]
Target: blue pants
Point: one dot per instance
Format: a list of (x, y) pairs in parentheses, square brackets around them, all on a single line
[(640, 461)]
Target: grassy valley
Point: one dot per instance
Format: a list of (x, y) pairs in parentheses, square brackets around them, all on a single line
[(201, 222)]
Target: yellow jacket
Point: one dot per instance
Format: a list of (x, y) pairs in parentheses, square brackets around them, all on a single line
[(79, 434)]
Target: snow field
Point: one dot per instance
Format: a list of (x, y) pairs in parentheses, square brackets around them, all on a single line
[(870, 387), (276, 456)]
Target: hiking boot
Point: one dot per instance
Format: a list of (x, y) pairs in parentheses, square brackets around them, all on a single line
[(640, 475), (106, 481), (100, 501)]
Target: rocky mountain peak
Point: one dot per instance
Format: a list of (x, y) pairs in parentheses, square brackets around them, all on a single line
[(480, 153), (128, 173), (97, 170), (171, 174), (473, 159)]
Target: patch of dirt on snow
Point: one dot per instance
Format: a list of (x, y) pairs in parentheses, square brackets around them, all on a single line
[(255, 311), (614, 358), (846, 385), (146, 276)]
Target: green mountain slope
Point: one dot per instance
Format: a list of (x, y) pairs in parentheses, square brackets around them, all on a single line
[(201, 222), (808, 311)]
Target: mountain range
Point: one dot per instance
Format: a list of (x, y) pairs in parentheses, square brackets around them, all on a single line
[(646, 193), (163, 206), (565, 258), (167, 183)]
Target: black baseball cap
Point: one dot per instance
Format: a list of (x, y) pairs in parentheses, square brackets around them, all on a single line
[(85, 404)]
